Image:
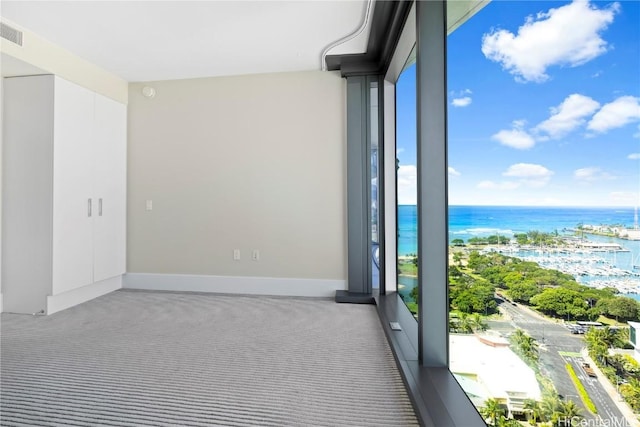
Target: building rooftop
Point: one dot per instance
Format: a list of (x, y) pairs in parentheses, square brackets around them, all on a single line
[(496, 368)]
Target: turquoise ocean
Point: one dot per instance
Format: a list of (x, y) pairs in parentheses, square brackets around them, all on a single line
[(482, 221)]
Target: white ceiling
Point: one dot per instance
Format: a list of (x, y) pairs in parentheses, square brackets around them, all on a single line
[(165, 40)]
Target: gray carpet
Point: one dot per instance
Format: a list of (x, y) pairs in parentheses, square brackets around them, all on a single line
[(172, 359)]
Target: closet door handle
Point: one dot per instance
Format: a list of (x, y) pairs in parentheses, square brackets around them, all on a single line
[(100, 207), (89, 207)]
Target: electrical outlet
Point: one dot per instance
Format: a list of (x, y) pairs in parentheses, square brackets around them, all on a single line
[(149, 205), (236, 254), (255, 255)]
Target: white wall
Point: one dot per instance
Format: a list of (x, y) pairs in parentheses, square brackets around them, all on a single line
[(246, 162)]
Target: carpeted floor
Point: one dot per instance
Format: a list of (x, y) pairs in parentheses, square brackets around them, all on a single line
[(172, 359)]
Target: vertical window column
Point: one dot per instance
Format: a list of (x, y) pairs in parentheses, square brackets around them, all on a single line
[(364, 159), (431, 86)]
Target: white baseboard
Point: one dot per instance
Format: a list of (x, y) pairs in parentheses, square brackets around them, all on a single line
[(74, 297), (234, 284)]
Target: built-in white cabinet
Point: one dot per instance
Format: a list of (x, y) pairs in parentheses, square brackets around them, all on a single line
[(64, 194)]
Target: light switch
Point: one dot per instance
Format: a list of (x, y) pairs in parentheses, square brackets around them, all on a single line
[(149, 205)]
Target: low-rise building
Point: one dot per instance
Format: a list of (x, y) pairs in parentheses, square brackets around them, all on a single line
[(634, 330), (487, 368)]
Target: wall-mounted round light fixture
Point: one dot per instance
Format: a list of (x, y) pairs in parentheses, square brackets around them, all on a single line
[(148, 91)]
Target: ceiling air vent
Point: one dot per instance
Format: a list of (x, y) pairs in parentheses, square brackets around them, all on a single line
[(11, 34)]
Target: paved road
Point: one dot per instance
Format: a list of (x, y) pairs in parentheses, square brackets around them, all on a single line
[(606, 407), (557, 348)]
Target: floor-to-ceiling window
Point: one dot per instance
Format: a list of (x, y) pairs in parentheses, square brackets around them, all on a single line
[(376, 194), (407, 224), (544, 184)]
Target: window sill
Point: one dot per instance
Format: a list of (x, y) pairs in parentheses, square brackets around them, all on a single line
[(437, 397)]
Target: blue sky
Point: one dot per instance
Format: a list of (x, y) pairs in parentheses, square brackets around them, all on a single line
[(544, 106)]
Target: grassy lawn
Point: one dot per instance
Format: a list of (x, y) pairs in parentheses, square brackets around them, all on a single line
[(609, 321), (407, 268)]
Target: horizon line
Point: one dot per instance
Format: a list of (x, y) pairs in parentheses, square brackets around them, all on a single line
[(537, 206)]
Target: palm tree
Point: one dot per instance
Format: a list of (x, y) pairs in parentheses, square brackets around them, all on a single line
[(457, 258), (568, 412), (492, 410), (525, 345), (631, 393), (518, 336), (549, 406), (464, 323), (604, 335), (533, 410), (477, 323)]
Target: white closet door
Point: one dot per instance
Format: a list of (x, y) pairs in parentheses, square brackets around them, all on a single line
[(110, 188), (72, 187)]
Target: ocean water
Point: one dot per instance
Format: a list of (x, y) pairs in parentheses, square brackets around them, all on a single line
[(482, 221)]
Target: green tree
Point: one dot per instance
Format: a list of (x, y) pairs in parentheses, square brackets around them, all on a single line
[(523, 291), (454, 273), (631, 393), (533, 410), (492, 411), (477, 322), (605, 335), (464, 323), (549, 407), (561, 302), (569, 411), (599, 340), (623, 308), (457, 242), (521, 238), (508, 422), (477, 241), (414, 293), (525, 346), (457, 258)]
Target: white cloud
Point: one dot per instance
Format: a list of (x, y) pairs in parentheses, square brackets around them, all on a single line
[(568, 115), (568, 35), (453, 172), (633, 156), (504, 185), (529, 174), (624, 110), (407, 185), (527, 170), (515, 138), (461, 102), (522, 174), (591, 174)]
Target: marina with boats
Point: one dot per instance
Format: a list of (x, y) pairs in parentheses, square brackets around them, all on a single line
[(600, 262)]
